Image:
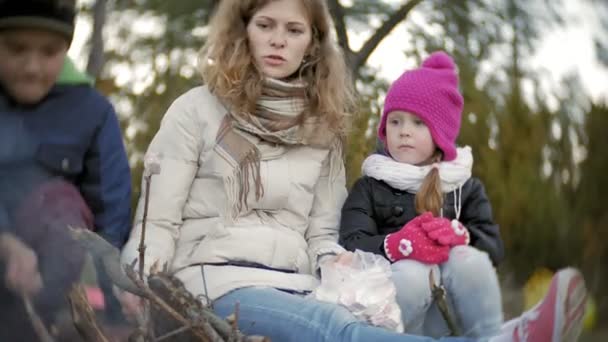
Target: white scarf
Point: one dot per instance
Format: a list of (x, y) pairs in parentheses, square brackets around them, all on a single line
[(408, 177)]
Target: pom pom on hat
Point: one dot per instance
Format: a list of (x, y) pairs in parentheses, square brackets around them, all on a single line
[(439, 60), (431, 93)]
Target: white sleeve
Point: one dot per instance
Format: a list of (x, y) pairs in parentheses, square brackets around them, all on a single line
[(177, 145), (323, 230)]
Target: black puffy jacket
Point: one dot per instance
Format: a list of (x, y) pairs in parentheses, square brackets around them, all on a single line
[(373, 210)]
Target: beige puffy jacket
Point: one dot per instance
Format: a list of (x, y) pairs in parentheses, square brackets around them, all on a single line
[(277, 243)]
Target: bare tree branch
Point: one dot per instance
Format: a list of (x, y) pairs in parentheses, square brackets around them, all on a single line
[(337, 12), (160, 303), (370, 45), (107, 255)]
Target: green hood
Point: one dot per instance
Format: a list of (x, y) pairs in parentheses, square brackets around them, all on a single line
[(71, 75)]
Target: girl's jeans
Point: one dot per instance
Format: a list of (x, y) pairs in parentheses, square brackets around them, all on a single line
[(472, 289), (287, 317)]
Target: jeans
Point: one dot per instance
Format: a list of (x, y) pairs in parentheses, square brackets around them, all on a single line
[(287, 317), (472, 289)]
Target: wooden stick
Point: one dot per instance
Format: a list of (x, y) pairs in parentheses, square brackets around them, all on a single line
[(159, 302), (151, 167), (221, 326), (213, 335), (439, 294), (235, 324), (144, 321), (84, 317), (106, 254), (173, 333), (142, 241), (39, 328)]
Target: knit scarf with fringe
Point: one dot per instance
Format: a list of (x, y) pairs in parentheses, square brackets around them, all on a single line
[(279, 121)]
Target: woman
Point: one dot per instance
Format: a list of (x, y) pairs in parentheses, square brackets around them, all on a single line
[(246, 205)]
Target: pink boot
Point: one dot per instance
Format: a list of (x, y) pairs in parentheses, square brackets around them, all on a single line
[(557, 318)]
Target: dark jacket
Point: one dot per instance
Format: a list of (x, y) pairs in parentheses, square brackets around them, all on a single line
[(373, 210), (73, 134)]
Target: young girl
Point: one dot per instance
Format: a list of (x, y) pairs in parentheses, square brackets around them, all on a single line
[(418, 206)]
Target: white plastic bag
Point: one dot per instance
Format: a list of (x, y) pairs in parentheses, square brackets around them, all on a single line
[(364, 287)]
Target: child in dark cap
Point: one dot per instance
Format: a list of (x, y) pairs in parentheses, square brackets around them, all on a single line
[(62, 162)]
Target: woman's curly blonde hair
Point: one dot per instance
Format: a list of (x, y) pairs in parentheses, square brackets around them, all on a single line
[(227, 65)]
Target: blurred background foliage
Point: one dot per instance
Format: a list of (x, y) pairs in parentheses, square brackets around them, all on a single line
[(538, 147)]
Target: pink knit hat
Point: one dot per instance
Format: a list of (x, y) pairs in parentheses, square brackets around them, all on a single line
[(430, 92)]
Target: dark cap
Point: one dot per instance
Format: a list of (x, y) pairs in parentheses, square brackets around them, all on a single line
[(52, 15)]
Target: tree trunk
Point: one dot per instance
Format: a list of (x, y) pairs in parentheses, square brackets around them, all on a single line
[(96, 55)]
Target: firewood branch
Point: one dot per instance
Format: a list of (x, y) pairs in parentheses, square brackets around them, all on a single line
[(84, 317), (160, 303)]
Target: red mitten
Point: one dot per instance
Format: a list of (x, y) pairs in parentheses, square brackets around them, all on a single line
[(412, 242), (446, 232)]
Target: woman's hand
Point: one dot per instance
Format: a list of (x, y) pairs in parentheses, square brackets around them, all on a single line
[(344, 258), (22, 275)]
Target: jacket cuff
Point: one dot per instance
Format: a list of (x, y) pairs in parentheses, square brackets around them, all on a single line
[(386, 250), (317, 255)]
